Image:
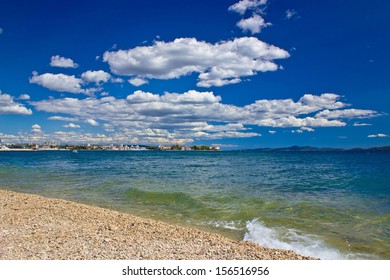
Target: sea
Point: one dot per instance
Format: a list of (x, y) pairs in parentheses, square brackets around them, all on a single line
[(329, 205)]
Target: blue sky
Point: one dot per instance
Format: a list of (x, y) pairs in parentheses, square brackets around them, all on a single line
[(241, 74)]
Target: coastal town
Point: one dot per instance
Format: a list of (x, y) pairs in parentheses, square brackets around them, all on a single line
[(56, 146)]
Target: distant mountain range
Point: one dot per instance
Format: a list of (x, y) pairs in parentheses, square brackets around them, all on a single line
[(314, 149)]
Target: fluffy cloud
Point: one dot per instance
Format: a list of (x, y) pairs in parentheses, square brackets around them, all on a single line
[(142, 110), (60, 118), (24, 97), (96, 77), (302, 129), (272, 110), (219, 128), (347, 114), (309, 129), (59, 61), (58, 82), (217, 64), (9, 106), (243, 5), (192, 115), (77, 137), (171, 109), (129, 136), (66, 83), (189, 97), (36, 128), (71, 125), (293, 121), (137, 82), (253, 24), (380, 135), (92, 122), (116, 80)]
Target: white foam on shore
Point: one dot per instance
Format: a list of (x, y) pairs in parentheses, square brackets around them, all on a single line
[(290, 239)]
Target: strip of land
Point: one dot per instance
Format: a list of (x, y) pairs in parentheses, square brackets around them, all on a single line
[(34, 227)]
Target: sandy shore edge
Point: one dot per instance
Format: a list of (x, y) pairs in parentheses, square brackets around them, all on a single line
[(35, 227)]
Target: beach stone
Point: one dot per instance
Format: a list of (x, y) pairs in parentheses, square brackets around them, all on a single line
[(36, 228)]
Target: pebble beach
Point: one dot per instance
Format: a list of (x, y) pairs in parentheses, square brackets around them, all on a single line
[(33, 227)]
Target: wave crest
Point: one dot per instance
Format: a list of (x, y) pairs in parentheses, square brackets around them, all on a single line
[(291, 239)]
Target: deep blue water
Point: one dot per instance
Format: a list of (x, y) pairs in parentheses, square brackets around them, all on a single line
[(331, 205)]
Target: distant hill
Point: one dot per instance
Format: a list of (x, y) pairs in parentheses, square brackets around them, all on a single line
[(384, 148), (315, 149)]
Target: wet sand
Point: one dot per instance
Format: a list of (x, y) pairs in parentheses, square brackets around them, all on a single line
[(34, 227)]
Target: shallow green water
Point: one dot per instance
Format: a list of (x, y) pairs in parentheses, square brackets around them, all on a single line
[(323, 204)]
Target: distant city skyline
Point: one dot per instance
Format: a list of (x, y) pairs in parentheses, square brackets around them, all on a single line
[(237, 74)]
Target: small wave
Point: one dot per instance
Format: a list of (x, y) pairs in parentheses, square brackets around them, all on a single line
[(224, 224), (291, 239)]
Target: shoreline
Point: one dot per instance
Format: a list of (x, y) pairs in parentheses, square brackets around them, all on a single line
[(34, 227)]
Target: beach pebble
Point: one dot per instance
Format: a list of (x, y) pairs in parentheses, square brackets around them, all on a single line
[(34, 227)]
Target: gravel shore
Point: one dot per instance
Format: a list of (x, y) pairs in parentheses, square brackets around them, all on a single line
[(35, 227)]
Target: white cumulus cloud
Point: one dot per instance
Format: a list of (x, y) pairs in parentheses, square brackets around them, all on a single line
[(217, 64), (192, 107), (243, 5), (347, 114), (194, 115), (279, 108), (36, 128), (24, 97), (293, 121), (92, 122), (96, 77), (309, 129), (71, 125), (137, 81), (253, 24), (59, 61), (116, 80), (61, 118), (58, 82), (9, 106)]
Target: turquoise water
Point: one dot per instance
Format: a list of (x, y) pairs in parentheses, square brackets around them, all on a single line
[(332, 205)]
